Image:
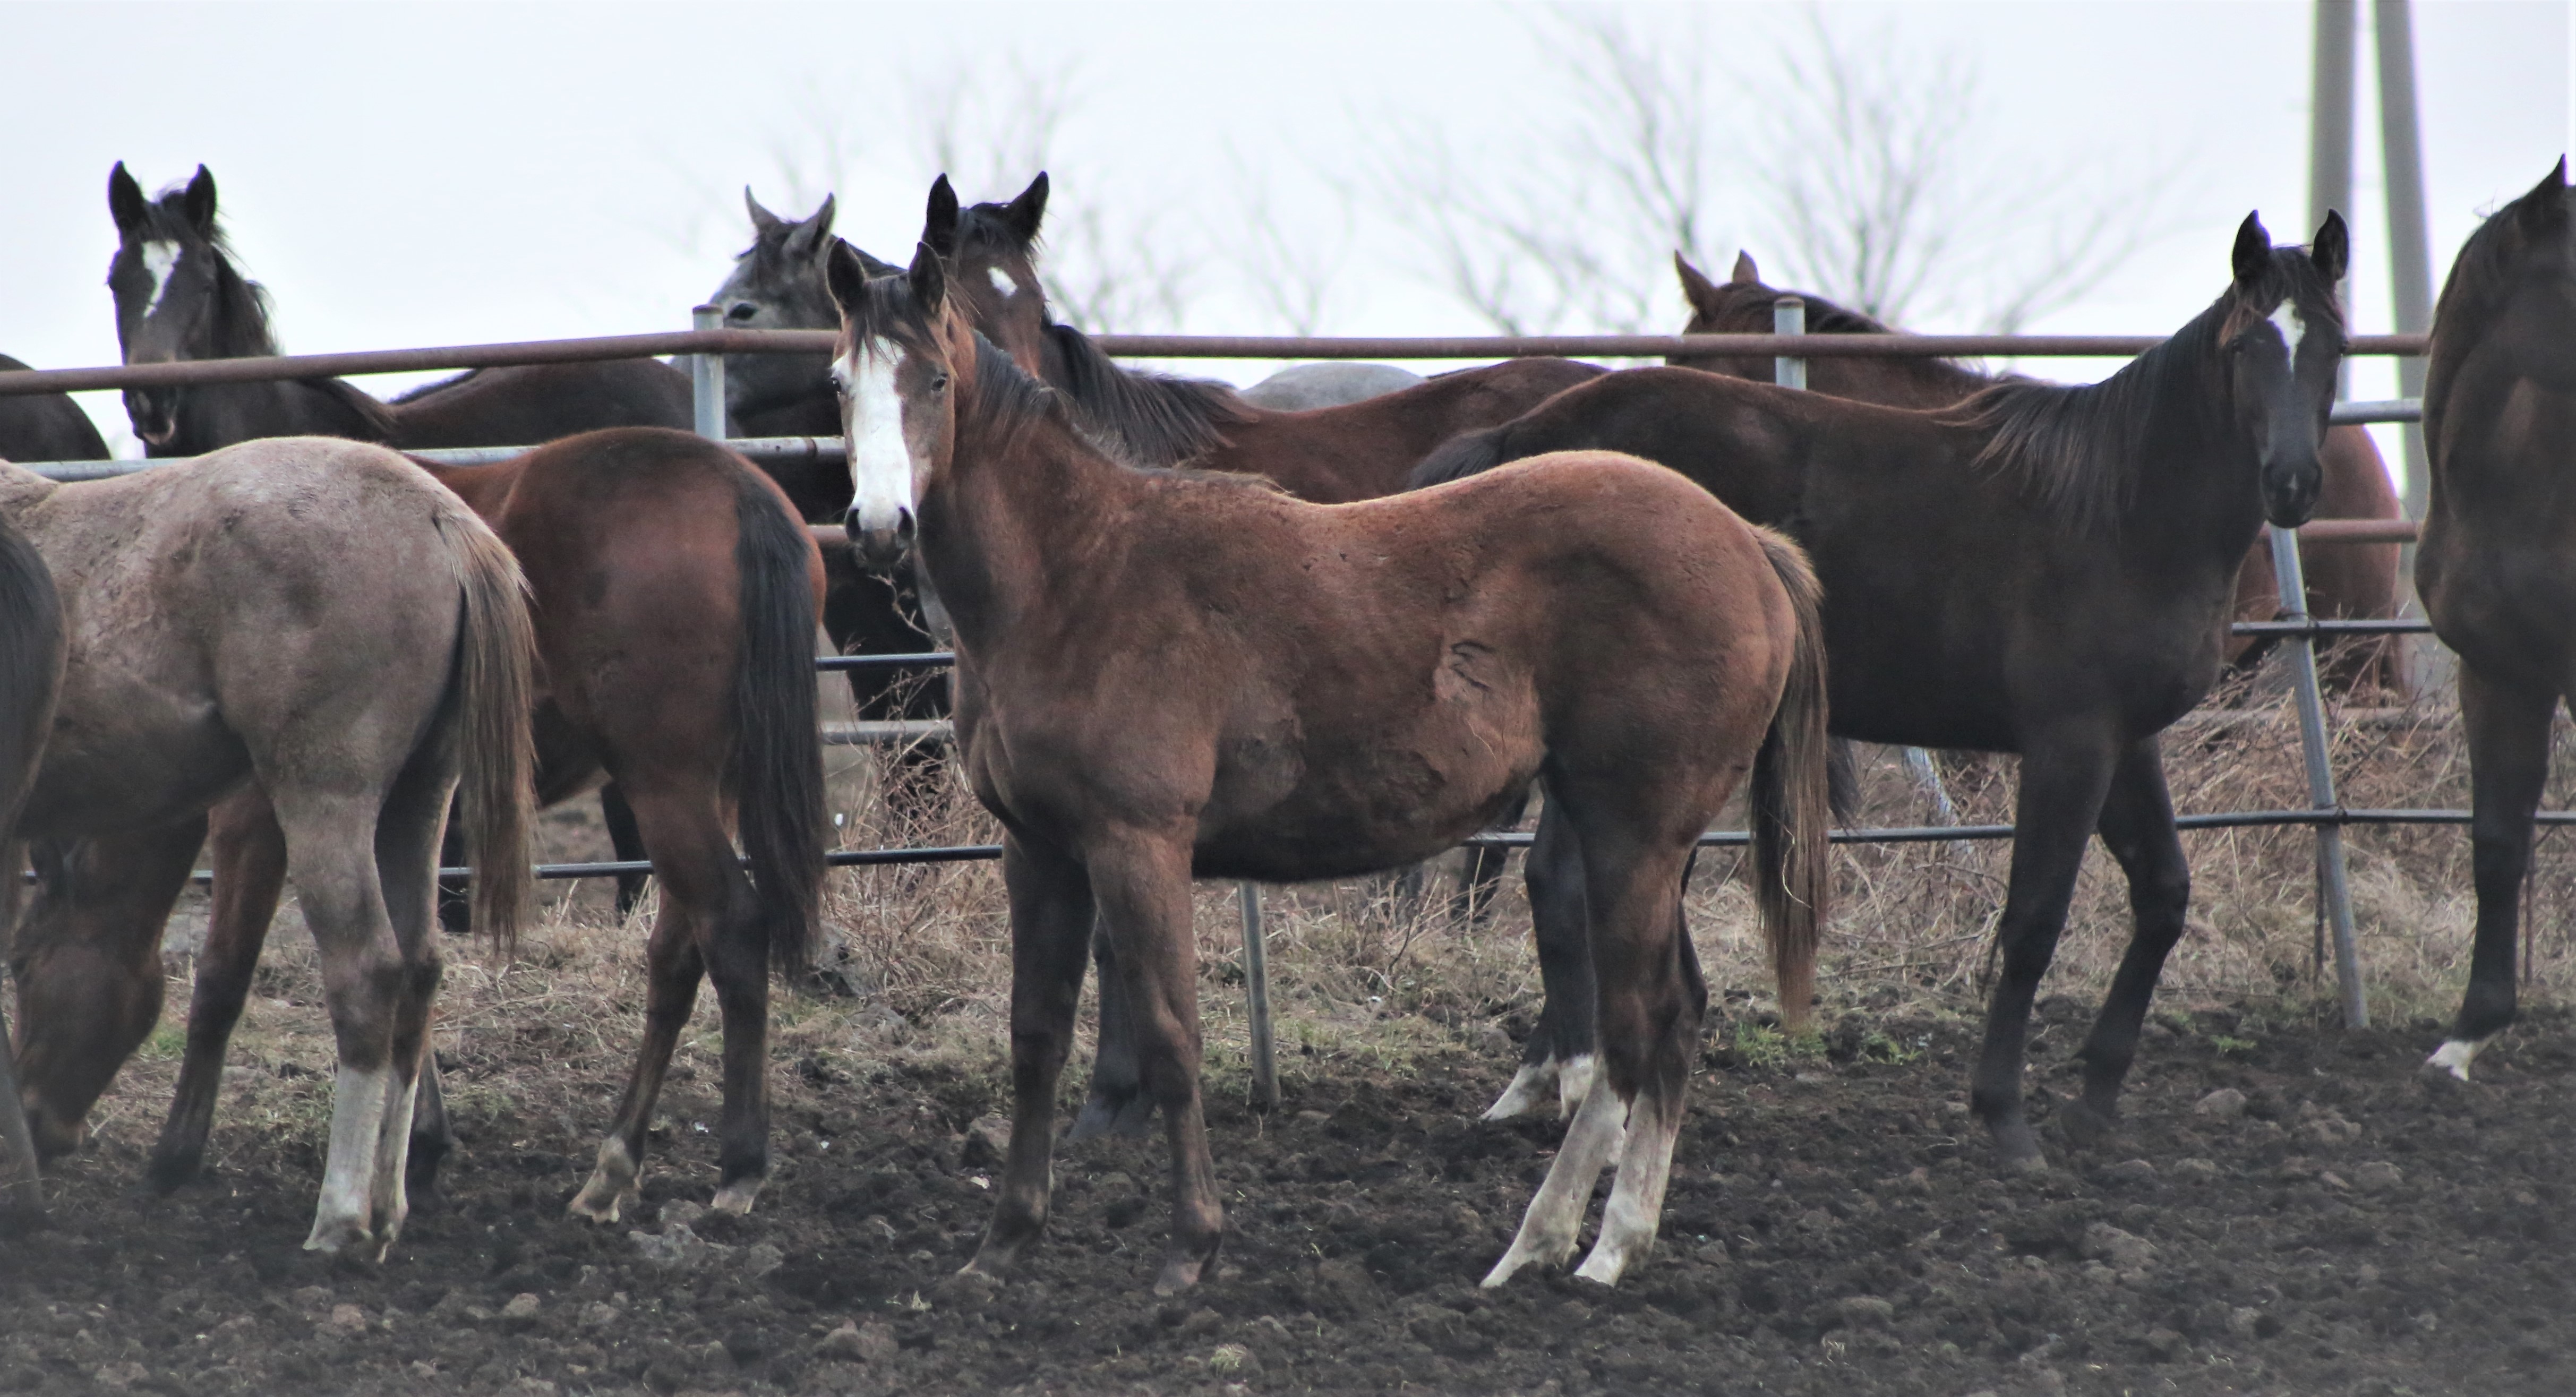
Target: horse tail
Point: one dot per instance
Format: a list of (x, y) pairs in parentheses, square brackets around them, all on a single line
[(776, 772), (1466, 454), (1789, 800), (495, 679), (31, 635)]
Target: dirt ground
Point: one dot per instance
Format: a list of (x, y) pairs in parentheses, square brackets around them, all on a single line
[(2326, 1223)]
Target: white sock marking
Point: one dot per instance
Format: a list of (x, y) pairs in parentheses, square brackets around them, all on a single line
[(1529, 1088), (2455, 1055), (357, 1117)]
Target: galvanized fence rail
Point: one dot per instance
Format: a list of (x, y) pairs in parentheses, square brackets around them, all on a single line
[(1789, 347)]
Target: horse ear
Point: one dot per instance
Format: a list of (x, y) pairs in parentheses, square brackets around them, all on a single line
[(939, 221), (199, 202), (2547, 202), (762, 220), (928, 278), (1695, 285), (1026, 212), (1746, 274), (845, 273), (812, 235), (125, 201), (2332, 249), (2253, 251)]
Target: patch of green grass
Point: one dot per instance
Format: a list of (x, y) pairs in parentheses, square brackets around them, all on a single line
[(1878, 1047), (1760, 1045), (167, 1042), (2233, 1047)]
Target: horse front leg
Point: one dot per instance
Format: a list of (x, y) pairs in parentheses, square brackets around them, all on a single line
[(2137, 826), (249, 856), (1142, 885), (2508, 731), (88, 966), (2062, 784), (1051, 929)]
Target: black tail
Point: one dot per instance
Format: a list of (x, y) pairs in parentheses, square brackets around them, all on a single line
[(777, 770), (1462, 456)]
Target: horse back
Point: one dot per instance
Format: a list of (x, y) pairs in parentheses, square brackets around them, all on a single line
[(46, 427), (1362, 450), (529, 404)]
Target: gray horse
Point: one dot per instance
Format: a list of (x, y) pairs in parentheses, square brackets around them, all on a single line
[(31, 669), (320, 617), (1331, 383)]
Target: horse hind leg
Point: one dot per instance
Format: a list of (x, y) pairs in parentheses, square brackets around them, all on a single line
[(407, 853), (1651, 1003), (1117, 1102), (1560, 1052), (249, 855), (2508, 732)]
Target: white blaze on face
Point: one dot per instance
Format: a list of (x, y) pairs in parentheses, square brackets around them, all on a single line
[(158, 259), (1003, 286), (2293, 328), (880, 460)]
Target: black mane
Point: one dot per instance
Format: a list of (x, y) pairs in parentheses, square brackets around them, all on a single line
[(2078, 448), (1156, 419), (1748, 310)]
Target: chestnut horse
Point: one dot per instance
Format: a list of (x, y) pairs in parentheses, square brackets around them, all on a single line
[(2345, 581), (675, 593), (2497, 565), (1166, 675), (319, 618), (31, 671), (2040, 570), (178, 296)]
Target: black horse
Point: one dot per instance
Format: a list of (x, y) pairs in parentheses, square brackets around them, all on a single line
[(46, 426), (2039, 570), (778, 284), (179, 296), (2497, 567)]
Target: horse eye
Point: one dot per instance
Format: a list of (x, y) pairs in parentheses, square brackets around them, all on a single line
[(939, 383), (742, 310)]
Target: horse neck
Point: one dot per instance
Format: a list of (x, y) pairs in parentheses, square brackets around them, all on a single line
[(2196, 477), (1024, 511)]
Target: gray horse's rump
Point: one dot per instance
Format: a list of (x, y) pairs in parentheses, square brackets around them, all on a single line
[(1300, 387)]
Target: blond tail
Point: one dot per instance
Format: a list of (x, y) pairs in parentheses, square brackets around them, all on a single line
[(496, 653)]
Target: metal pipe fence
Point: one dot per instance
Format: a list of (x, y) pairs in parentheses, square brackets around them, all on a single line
[(1789, 347)]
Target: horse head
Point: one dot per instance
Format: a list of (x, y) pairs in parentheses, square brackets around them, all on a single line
[(177, 294), (894, 368), (777, 284), (991, 251), (2283, 337)]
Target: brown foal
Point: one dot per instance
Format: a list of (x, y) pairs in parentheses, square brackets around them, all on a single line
[(1165, 675)]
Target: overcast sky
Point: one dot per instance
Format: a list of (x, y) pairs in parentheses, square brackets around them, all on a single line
[(404, 174)]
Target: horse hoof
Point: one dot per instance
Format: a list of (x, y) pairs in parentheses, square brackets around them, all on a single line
[(2449, 1064), (1179, 1273), (2084, 1125), (737, 1197), (346, 1238)]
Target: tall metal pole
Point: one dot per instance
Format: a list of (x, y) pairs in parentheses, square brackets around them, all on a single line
[(2410, 252), (2330, 119), (1256, 986), (2333, 886), (706, 378)]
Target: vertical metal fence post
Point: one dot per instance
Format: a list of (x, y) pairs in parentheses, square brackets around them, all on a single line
[(1789, 317), (706, 378), (2331, 884), (1256, 985)]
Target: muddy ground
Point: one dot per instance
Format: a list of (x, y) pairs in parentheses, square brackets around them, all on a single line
[(2333, 1227)]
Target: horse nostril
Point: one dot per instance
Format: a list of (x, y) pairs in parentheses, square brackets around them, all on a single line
[(903, 526)]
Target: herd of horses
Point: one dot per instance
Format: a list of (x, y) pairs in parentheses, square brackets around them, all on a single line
[(1196, 634)]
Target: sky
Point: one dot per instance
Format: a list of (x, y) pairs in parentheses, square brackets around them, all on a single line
[(409, 174)]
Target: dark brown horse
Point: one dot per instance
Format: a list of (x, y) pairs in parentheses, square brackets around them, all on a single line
[(2039, 570), (1167, 675), (2345, 581), (46, 427), (2497, 566), (1358, 451), (31, 672), (179, 296), (675, 593)]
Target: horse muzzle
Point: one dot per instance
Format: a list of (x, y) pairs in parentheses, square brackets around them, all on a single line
[(154, 412), (881, 548)]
